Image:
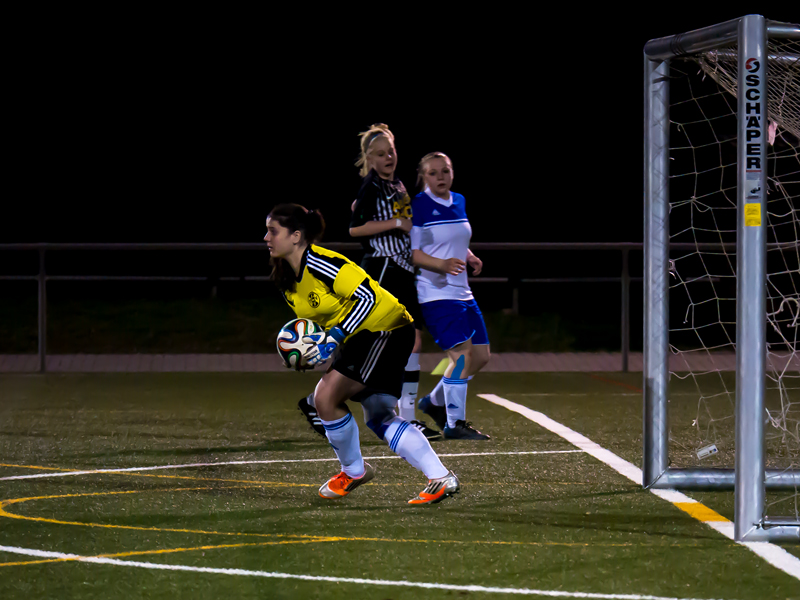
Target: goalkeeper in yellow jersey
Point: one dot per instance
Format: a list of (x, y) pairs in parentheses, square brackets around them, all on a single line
[(368, 338)]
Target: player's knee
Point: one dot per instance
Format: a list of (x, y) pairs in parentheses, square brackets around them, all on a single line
[(378, 413), (325, 409), (325, 402), (480, 359)]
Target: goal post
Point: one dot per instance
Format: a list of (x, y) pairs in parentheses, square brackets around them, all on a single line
[(744, 200)]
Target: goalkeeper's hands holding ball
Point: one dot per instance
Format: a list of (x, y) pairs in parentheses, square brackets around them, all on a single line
[(324, 346)]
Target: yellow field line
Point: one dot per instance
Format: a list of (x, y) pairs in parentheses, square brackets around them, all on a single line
[(250, 481), (134, 474), (292, 538), (701, 512), (5, 513), (35, 467), (317, 539)]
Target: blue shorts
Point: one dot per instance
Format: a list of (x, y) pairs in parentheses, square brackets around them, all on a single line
[(452, 322)]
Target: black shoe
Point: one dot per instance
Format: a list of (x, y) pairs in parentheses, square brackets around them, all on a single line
[(311, 416), (463, 431), (429, 433), (437, 413)]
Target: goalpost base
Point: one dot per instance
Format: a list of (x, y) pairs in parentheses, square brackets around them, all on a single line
[(771, 529), (721, 479), (762, 532)]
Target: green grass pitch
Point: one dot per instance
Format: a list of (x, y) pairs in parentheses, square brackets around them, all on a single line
[(533, 514)]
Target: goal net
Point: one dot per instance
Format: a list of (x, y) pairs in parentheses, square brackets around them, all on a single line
[(703, 156), (703, 268)]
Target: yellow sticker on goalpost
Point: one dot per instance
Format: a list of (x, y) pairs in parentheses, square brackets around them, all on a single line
[(752, 214)]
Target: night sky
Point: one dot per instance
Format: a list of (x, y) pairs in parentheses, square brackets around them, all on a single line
[(192, 134)]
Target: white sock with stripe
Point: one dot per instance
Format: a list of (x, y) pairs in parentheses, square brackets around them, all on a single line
[(455, 393), (407, 402), (410, 443), (437, 394), (343, 436)]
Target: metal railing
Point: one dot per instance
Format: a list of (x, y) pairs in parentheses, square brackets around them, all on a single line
[(624, 279)]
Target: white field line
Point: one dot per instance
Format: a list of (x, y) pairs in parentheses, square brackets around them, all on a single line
[(604, 394), (574, 395), (252, 462), (381, 582), (774, 555)]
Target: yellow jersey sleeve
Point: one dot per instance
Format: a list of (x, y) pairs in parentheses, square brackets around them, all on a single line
[(336, 291), (347, 280)]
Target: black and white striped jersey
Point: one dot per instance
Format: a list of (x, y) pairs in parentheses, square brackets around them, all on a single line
[(380, 200)]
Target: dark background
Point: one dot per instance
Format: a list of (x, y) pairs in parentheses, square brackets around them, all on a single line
[(138, 125), (139, 128)]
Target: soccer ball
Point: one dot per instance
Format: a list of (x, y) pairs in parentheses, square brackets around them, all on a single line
[(291, 346)]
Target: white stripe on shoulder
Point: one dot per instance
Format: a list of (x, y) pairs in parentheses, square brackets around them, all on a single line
[(323, 266), (451, 222)]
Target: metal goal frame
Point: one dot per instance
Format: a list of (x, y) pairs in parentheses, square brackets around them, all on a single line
[(749, 479)]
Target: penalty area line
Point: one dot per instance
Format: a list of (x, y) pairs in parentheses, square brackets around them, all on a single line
[(245, 462), (773, 554), (355, 580)]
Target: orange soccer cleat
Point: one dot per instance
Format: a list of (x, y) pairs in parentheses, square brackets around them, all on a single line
[(438, 489), (342, 484)]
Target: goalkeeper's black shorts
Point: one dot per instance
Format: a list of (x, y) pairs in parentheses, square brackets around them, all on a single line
[(377, 359)]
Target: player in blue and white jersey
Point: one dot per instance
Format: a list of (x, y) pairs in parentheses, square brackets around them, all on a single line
[(440, 239)]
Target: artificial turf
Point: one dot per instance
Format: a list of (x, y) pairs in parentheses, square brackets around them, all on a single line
[(553, 521)]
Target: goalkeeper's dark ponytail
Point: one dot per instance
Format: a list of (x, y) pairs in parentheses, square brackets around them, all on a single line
[(294, 218), (314, 226)]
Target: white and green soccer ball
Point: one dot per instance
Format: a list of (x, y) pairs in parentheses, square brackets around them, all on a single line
[(291, 346)]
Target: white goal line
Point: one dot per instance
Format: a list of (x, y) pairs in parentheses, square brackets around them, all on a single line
[(773, 554)]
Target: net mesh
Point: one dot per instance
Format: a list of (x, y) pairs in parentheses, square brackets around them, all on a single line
[(703, 219)]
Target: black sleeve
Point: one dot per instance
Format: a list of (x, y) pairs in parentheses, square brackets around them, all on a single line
[(365, 302), (366, 204)]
